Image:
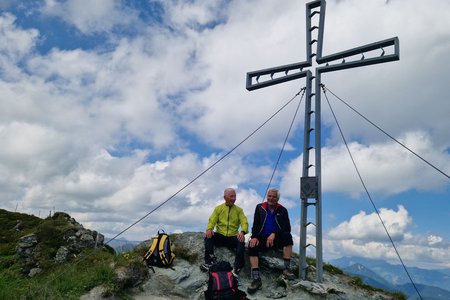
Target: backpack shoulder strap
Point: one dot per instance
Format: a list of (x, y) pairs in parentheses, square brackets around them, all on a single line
[(152, 248), (163, 246)]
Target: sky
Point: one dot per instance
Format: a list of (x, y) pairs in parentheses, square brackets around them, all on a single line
[(110, 109)]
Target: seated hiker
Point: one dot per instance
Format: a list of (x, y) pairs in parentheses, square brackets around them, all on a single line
[(226, 219), (271, 229)]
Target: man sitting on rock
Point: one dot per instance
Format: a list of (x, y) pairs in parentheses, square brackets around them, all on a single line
[(226, 219), (271, 229)]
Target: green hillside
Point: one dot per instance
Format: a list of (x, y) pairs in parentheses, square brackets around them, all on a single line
[(36, 274)]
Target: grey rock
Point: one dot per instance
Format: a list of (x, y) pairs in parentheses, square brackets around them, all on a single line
[(28, 241), (131, 275), (99, 293), (61, 215), (61, 254), (34, 272), (312, 287), (99, 238), (276, 293), (87, 239)]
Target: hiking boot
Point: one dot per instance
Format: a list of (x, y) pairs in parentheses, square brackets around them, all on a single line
[(205, 267), (287, 274), (254, 286)]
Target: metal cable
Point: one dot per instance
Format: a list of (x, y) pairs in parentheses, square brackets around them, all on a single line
[(284, 144), (394, 139), (368, 194), (192, 181), (206, 170)]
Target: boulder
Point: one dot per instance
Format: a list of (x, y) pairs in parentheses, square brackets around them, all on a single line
[(27, 241), (61, 254), (131, 275)]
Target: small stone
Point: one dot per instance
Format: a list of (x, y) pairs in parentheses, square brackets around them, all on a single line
[(34, 272)]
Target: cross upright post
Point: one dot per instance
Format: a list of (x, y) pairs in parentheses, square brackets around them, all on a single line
[(311, 184)]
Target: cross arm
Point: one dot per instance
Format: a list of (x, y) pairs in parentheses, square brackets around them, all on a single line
[(360, 51), (253, 77)]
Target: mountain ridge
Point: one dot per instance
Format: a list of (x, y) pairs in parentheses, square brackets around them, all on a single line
[(434, 284)]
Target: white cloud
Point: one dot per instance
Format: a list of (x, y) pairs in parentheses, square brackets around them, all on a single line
[(90, 16), (15, 42), (369, 228), (32, 151), (16, 45), (193, 14), (225, 113), (122, 190), (384, 167), (363, 235)]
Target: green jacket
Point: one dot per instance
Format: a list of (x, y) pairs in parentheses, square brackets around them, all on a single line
[(227, 219)]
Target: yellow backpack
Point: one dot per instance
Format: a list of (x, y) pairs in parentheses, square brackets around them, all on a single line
[(160, 253)]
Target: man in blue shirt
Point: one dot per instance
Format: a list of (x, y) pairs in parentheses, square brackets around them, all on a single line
[(271, 229)]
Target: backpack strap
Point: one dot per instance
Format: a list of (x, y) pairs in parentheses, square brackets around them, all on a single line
[(221, 281), (215, 275), (162, 248), (152, 248)]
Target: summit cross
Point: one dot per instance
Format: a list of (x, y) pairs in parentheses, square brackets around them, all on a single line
[(311, 187)]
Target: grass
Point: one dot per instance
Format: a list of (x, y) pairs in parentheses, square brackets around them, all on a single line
[(14, 225), (68, 281), (74, 278)]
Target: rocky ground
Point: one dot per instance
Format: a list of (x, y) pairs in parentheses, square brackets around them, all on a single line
[(186, 281)]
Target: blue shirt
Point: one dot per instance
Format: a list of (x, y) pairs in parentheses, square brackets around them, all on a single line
[(270, 226)]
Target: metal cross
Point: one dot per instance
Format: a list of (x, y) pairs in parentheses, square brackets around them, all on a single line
[(311, 187)]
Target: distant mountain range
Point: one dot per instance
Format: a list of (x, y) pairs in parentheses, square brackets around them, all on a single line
[(432, 284), (121, 245)]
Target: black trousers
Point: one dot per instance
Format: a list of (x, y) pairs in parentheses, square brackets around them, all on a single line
[(280, 241), (231, 242)]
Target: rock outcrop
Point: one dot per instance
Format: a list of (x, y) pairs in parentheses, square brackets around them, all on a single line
[(185, 280), (59, 234)]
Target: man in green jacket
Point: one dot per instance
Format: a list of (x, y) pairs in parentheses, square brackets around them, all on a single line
[(226, 218)]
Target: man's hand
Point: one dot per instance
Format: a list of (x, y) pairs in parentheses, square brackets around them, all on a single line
[(241, 237), (270, 239), (253, 242), (209, 233)]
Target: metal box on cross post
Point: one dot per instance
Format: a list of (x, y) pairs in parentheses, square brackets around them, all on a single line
[(308, 187)]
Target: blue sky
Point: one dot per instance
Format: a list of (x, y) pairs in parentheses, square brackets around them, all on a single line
[(108, 108)]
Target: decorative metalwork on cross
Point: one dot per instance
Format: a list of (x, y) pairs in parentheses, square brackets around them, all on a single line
[(369, 54)]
